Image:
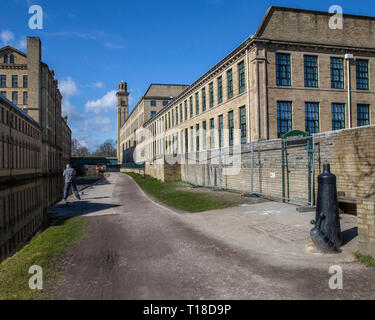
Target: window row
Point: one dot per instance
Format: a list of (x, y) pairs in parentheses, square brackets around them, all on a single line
[(19, 205), (205, 134), (8, 58), (311, 72), (19, 237), (15, 97), (312, 119), (3, 81), (19, 155), (17, 123), (202, 100), (153, 103)]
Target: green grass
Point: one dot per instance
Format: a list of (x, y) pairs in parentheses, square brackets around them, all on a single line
[(368, 261), (167, 193), (45, 251)]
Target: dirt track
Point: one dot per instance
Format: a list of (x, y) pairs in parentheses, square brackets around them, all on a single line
[(136, 249)]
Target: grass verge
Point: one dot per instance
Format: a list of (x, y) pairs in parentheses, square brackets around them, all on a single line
[(368, 261), (168, 193), (45, 252)]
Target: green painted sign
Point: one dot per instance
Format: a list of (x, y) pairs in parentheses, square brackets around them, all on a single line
[(295, 133)]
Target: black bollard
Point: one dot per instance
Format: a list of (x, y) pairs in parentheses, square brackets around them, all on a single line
[(327, 232)]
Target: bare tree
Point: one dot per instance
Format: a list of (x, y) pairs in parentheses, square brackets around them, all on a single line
[(79, 150), (107, 149)]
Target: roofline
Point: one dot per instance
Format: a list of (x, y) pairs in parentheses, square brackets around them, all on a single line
[(271, 9), (192, 87), (241, 47), (144, 96), (14, 49), (162, 84), (11, 104)]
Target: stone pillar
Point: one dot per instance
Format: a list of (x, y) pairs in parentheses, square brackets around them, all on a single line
[(258, 92), (366, 226)]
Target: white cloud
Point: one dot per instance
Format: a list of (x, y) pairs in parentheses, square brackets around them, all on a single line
[(112, 45), (93, 131), (22, 44), (107, 102), (68, 87), (104, 124), (6, 37), (70, 110), (96, 85)]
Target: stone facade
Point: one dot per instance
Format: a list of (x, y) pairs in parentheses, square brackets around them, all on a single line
[(247, 78), (154, 100), (21, 192), (294, 73), (21, 143), (35, 145), (31, 86)]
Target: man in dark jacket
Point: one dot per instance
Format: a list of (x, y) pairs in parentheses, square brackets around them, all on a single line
[(70, 176)]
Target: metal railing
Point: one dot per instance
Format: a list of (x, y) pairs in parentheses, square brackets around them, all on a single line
[(281, 169)]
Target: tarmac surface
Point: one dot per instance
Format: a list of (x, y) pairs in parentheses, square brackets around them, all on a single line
[(136, 248)]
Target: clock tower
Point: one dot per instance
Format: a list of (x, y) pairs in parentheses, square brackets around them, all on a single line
[(122, 113)]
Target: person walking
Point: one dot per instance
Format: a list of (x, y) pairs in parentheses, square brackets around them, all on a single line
[(70, 177)]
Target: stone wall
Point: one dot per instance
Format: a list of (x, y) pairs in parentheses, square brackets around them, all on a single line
[(133, 170), (259, 170), (160, 169), (351, 153), (155, 169)]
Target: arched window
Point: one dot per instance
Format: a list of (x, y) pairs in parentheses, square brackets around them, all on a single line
[(5, 58), (12, 59)]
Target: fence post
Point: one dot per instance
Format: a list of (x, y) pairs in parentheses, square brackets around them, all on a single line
[(283, 166), (252, 165), (220, 169), (195, 169)]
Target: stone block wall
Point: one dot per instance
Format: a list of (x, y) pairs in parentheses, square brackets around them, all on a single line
[(351, 153), (366, 226)]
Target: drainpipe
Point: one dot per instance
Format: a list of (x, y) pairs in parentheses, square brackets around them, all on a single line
[(349, 57), (248, 91)]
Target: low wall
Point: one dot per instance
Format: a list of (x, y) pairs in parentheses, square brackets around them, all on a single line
[(133, 170), (258, 169), (155, 170), (163, 171)]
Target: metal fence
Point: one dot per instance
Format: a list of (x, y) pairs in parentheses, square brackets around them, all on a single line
[(132, 165), (282, 168)]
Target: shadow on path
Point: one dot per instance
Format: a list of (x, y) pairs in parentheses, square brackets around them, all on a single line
[(80, 208), (349, 235)]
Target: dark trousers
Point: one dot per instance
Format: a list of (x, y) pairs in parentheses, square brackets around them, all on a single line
[(74, 188)]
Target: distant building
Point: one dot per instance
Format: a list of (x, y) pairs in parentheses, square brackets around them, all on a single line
[(154, 100), (30, 85)]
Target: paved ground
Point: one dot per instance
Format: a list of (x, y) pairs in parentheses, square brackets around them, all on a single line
[(138, 249)]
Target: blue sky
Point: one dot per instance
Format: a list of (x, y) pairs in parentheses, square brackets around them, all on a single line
[(92, 45)]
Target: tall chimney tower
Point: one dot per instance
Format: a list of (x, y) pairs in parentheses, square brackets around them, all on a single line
[(34, 68), (122, 113)]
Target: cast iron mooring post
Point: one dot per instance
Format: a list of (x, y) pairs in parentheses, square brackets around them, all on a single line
[(326, 234)]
